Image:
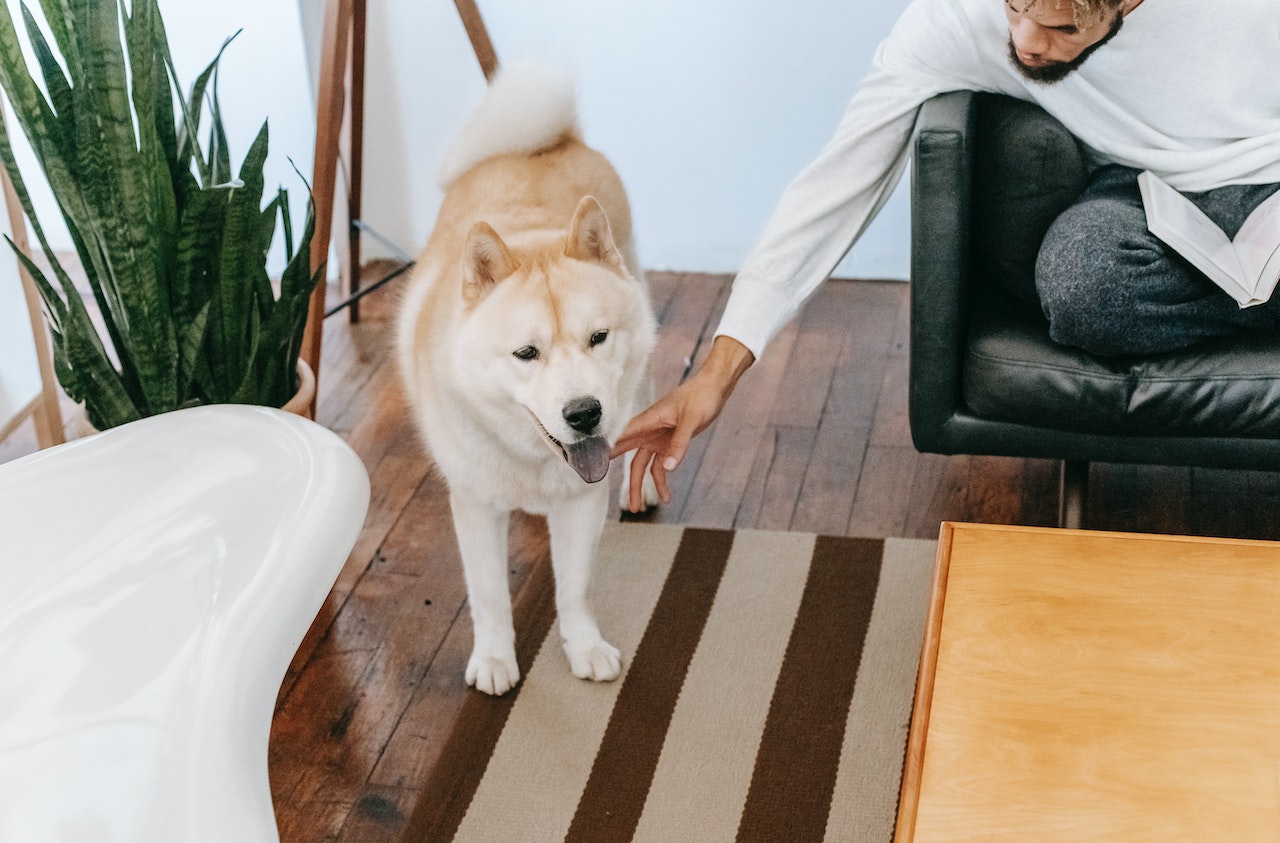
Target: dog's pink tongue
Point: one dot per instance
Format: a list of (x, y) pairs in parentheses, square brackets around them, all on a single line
[(589, 457)]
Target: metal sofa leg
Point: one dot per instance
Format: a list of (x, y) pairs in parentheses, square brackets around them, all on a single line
[(1072, 493)]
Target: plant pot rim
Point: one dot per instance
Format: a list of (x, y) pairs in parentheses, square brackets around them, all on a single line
[(300, 403)]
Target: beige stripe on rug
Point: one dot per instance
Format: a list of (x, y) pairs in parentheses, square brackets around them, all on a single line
[(767, 685)]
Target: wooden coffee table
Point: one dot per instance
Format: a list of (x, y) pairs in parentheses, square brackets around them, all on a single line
[(1080, 685)]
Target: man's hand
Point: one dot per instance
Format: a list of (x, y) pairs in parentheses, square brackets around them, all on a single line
[(661, 434)]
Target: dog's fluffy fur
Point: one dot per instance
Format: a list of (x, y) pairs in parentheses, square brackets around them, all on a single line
[(523, 340)]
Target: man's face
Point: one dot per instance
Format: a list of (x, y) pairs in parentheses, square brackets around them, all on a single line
[(1046, 45)]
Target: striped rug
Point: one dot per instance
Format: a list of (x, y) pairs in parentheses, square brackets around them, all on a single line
[(766, 696)]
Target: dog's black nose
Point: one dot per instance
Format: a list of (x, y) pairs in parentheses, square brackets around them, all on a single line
[(582, 414)]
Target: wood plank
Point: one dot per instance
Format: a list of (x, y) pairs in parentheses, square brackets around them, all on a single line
[(773, 491), (1039, 488), (725, 452), (830, 483), (994, 493), (802, 394), (872, 317), (883, 496)]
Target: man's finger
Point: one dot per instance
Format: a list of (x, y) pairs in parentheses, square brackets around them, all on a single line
[(677, 447), (660, 483)]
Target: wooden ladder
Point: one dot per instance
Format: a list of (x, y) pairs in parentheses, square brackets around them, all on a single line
[(340, 137)]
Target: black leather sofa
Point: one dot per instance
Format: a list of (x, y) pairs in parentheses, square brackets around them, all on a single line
[(989, 174)]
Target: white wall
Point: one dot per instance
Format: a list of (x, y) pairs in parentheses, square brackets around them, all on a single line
[(706, 107)]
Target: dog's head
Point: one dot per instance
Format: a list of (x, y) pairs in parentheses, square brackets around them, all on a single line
[(559, 330)]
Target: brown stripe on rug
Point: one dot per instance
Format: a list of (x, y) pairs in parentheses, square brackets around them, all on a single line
[(799, 755), (615, 793), (707, 759), (540, 764), (764, 672)]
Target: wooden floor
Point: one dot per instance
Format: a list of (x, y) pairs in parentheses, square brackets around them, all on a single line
[(815, 439)]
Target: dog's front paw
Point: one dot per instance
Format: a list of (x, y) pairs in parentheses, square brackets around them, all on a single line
[(493, 673), (649, 498), (597, 660)]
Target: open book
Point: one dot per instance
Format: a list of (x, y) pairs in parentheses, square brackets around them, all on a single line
[(1247, 267)]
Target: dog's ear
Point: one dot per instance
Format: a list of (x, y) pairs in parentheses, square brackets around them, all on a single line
[(590, 238), (485, 262)]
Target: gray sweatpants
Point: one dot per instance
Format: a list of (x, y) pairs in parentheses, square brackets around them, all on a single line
[(1109, 286)]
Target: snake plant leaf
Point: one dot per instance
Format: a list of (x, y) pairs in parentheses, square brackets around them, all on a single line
[(61, 17), (121, 225), (191, 336), (282, 196), (196, 273), (297, 283), (55, 306), (52, 145), (55, 309), (188, 128), (80, 360), (111, 405), (146, 22), (241, 262), (172, 247), (153, 109), (36, 118), (219, 151), (268, 222), (280, 338), (55, 81), (83, 365)]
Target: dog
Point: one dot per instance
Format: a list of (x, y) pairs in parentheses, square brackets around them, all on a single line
[(523, 340)]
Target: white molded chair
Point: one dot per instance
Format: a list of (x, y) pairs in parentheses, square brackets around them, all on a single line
[(155, 582)]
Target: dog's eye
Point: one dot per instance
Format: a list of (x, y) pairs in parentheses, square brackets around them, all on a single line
[(599, 337), (526, 353)]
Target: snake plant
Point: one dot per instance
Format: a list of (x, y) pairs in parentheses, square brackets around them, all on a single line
[(172, 243)]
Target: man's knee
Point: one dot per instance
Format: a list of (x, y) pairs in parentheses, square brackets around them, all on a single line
[(1091, 280), (1091, 320)]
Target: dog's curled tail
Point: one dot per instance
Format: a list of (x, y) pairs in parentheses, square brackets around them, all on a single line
[(527, 108)]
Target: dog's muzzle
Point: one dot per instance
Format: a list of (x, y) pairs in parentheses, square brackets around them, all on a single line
[(588, 456)]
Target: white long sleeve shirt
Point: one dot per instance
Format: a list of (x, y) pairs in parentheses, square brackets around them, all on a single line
[(1188, 88)]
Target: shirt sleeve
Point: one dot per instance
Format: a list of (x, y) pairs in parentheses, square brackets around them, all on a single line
[(831, 202)]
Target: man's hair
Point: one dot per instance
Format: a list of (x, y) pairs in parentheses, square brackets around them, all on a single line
[(1086, 12)]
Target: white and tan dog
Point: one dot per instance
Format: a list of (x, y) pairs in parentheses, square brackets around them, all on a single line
[(524, 340)]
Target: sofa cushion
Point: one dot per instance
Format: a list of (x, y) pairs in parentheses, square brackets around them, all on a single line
[(1027, 169), (1013, 372)]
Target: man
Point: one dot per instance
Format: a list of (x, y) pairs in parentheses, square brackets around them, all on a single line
[(1186, 88)]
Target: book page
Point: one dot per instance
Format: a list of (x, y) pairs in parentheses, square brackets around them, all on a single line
[(1258, 241), (1178, 222)]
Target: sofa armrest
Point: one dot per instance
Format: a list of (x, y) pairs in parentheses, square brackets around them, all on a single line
[(941, 189)]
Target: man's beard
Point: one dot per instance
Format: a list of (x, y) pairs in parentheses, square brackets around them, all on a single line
[(1059, 70)]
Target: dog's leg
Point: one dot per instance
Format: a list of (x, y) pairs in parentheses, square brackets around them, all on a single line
[(482, 541), (575, 528), (648, 491)]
